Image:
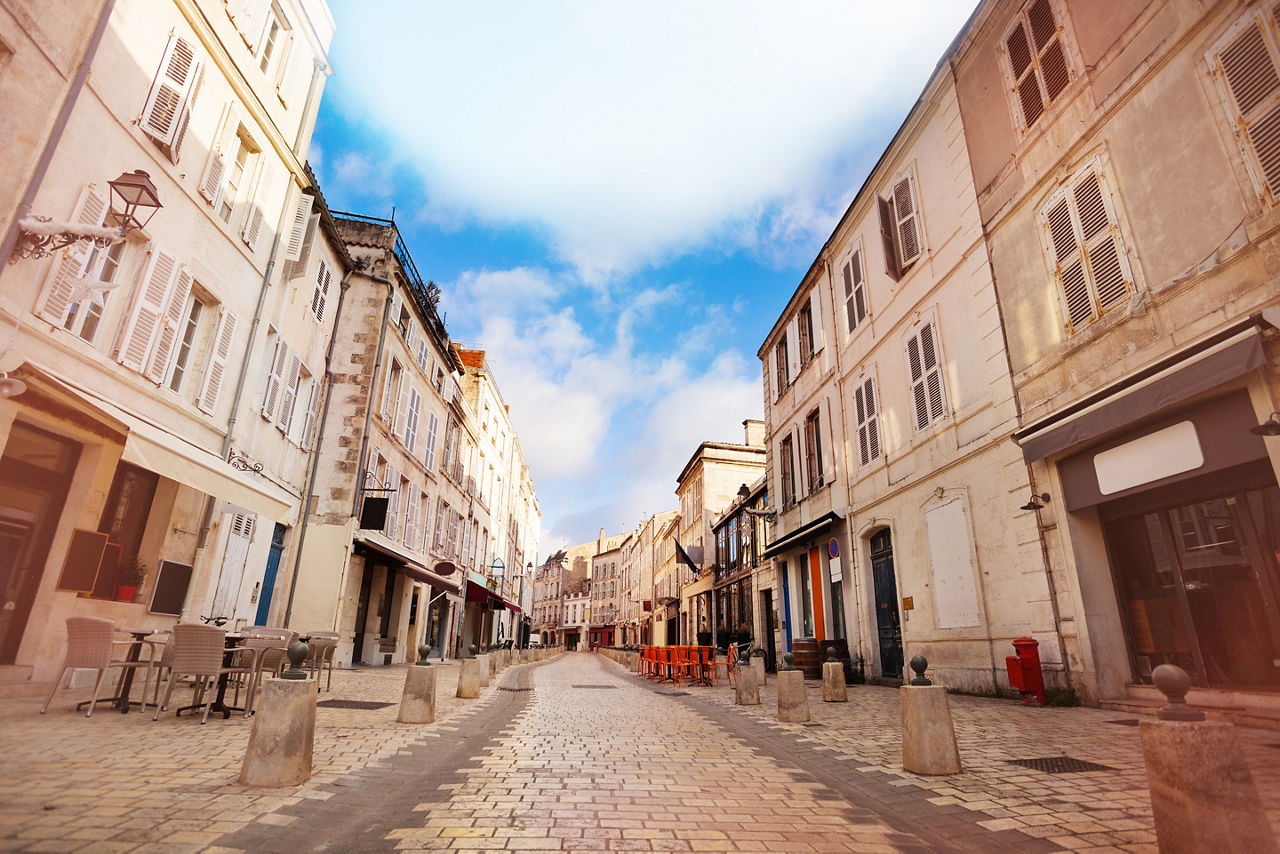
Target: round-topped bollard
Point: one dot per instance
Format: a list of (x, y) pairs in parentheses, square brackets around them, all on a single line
[(793, 703), (1203, 795), (928, 736), (282, 740), (469, 676), (746, 688), (418, 702), (833, 685)]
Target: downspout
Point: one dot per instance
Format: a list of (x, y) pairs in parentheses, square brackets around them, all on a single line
[(55, 134), (343, 287)]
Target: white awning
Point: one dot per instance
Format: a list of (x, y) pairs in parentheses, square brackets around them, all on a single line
[(168, 455)]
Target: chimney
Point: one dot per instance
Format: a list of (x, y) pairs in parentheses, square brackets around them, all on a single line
[(754, 431)]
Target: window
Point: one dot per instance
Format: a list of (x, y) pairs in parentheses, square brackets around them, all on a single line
[(442, 513), (272, 36), (167, 109), (813, 451), (391, 392), (85, 313), (393, 482), (806, 331), (424, 357), (780, 361), (186, 342), (1247, 64), (287, 378), (152, 331), (72, 278), (1089, 260), (429, 455), (222, 341), (786, 473), (320, 294), (867, 409), (925, 370), (410, 434), (900, 227), (412, 501), (451, 546), (855, 291), (1037, 62)]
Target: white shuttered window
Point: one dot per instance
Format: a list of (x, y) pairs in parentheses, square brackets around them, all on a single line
[(1038, 67), (1088, 254), (924, 366), (143, 328), (855, 291), (222, 340), (167, 110), (1246, 62), (867, 408)]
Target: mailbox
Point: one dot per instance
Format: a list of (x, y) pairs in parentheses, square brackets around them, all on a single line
[(1025, 674)]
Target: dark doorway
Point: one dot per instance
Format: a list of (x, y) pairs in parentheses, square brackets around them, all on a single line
[(888, 620), (770, 644), (269, 576), (35, 475)]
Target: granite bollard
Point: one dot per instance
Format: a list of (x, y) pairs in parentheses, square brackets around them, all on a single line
[(1203, 796), (793, 703), (469, 677), (418, 702), (483, 670), (833, 687), (928, 736), (757, 662), (283, 736), (747, 690)]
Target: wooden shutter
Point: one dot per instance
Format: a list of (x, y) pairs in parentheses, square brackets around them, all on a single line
[(411, 419), (1107, 267), (888, 235), (815, 314), (218, 362), (1051, 57), (298, 228), (1069, 263), (308, 436), (171, 91), (91, 209), (908, 223), (868, 423), (1038, 62), (855, 297), (253, 222), (793, 349), (1248, 66), (441, 508), (216, 168), (289, 393), (781, 373), (411, 519), (385, 409), (147, 316), (321, 292), (171, 326), (298, 268), (924, 365), (402, 407), (275, 376), (393, 502), (429, 455), (249, 18)]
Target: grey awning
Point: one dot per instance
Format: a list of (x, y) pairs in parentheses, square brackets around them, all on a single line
[(1186, 374), (799, 534)]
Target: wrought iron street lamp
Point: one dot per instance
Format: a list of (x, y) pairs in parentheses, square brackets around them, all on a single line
[(133, 202)]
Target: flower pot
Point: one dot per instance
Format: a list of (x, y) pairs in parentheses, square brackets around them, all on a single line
[(124, 592)]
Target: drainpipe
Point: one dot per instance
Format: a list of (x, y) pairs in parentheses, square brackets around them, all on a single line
[(314, 462), (55, 134)]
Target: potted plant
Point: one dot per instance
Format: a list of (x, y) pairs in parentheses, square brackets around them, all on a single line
[(129, 577)]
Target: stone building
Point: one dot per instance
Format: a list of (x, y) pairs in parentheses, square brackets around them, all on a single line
[(605, 579), (747, 591), (547, 597), (1126, 177), (151, 463)]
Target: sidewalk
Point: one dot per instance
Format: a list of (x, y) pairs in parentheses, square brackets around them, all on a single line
[(1098, 810), (118, 783)]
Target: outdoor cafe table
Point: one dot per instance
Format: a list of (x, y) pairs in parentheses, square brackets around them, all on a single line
[(121, 700), (233, 641)]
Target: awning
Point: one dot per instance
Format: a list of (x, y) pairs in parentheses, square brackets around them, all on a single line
[(404, 562), (171, 456), (1196, 369), (800, 534)]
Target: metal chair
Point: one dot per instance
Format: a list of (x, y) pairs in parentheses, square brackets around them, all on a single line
[(200, 651), (89, 646)]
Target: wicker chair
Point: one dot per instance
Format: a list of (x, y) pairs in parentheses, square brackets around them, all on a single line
[(90, 645), (269, 646), (198, 651), (323, 646)]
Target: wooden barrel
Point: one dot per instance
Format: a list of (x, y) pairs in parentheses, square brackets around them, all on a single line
[(806, 657)]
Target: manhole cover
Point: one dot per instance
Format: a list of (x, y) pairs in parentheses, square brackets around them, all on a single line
[(505, 688), (1124, 722), (1059, 765), (599, 687), (353, 704), (681, 694)]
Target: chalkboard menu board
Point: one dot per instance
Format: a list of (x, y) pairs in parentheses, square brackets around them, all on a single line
[(84, 555), (170, 591)]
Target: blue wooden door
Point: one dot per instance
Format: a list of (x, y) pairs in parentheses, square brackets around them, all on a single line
[(269, 577)]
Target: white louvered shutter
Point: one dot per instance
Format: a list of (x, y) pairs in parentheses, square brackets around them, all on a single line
[(289, 393), (429, 455), (393, 502), (1037, 61), (402, 407), (818, 336), (275, 377), (442, 510), (320, 293), (1107, 266), (925, 368), (216, 167), (1249, 66), (868, 422), (91, 209), (298, 268), (1069, 263), (908, 222), (218, 362), (411, 419), (171, 92), (171, 326), (385, 410), (793, 349), (298, 228), (249, 18), (855, 293), (253, 222), (148, 314), (411, 519), (309, 425)]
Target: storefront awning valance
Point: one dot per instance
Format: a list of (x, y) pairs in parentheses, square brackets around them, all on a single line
[(1196, 369), (800, 534), (171, 456), (404, 562)]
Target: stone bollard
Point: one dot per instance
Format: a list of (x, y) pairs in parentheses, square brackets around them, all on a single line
[(283, 734), (757, 661), (928, 736), (793, 704), (1202, 794), (493, 664), (833, 687), (747, 689), (418, 702), (469, 677), (483, 668)]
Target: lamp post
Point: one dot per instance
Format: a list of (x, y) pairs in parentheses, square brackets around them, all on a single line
[(133, 201)]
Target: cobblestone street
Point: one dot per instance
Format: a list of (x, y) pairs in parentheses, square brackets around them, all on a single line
[(576, 754)]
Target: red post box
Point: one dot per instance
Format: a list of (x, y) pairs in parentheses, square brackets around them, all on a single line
[(1025, 674)]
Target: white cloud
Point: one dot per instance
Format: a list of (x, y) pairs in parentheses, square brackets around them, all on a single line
[(630, 131)]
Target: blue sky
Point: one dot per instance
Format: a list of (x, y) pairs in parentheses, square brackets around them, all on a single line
[(617, 200)]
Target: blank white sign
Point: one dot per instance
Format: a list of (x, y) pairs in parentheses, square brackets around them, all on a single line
[(1157, 455)]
